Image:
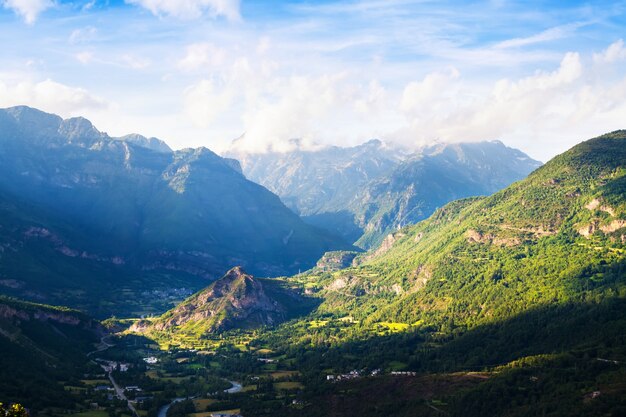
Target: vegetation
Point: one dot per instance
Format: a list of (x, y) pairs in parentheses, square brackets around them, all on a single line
[(15, 410), (508, 305)]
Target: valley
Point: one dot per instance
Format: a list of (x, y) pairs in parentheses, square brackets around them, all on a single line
[(510, 304), (335, 208)]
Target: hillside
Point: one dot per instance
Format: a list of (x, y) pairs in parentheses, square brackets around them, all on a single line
[(364, 192), (42, 347), (236, 300), (100, 223), (527, 285), (556, 236)]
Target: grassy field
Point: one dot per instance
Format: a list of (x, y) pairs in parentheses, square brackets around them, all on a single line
[(282, 386), (394, 327), (96, 381), (284, 374), (202, 403)]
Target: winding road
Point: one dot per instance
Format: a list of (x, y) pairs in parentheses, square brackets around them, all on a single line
[(163, 410), (236, 387)]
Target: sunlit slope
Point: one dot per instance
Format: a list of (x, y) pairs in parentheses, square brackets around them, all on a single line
[(557, 236)]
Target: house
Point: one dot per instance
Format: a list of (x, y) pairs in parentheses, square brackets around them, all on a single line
[(150, 360)]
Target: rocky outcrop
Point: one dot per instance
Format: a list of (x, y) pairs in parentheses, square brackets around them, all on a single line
[(336, 260)]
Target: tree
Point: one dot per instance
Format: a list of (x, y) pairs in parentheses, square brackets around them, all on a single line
[(14, 410)]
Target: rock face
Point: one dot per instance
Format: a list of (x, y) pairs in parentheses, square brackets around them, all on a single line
[(237, 300), (334, 261), (18, 312), (74, 201), (154, 144)]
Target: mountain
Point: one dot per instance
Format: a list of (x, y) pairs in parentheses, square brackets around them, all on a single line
[(430, 179), (364, 192), (154, 144), (509, 305), (42, 346), (92, 221), (321, 185), (557, 236), (237, 300)]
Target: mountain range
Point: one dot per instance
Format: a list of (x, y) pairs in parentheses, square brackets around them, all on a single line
[(364, 192), (507, 303), (86, 216), (527, 285)]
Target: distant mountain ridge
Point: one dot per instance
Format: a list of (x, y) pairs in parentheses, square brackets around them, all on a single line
[(76, 202), (365, 192)]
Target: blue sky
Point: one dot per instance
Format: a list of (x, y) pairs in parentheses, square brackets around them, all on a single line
[(539, 76)]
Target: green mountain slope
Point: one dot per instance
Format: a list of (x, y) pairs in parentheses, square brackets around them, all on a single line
[(42, 347), (85, 217), (527, 285), (556, 236)]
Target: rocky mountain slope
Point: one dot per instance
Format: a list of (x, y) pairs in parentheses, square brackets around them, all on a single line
[(84, 214), (237, 300), (364, 192), (320, 185)]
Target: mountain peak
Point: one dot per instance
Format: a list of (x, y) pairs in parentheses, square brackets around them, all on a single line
[(151, 143), (235, 300), (79, 129)]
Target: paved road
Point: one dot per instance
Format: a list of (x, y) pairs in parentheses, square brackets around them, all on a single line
[(119, 391), (236, 387), (102, 346)]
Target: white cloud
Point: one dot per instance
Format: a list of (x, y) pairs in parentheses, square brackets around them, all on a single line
[(28, 9), (191, 9), (49, 96), (264, 45), (419, 96), (542, 113), (615, 52), (331, 108), (202, 56), (135, 62), (84, 57), (547, 35), (82, 35), (203, 103)]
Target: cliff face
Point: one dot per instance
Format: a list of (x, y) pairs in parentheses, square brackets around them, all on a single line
[(18, 312)]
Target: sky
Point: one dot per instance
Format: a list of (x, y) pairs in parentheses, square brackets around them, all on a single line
[(540, 76)]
